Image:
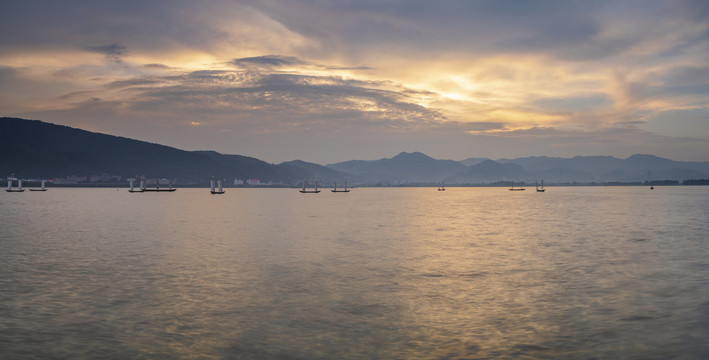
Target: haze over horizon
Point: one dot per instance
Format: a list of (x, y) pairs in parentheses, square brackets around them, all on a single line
[(331, 81)]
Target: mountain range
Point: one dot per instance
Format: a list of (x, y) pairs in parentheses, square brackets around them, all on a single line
[(36, 149)]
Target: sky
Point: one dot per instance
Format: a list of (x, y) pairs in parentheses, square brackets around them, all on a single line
[(330, 81)]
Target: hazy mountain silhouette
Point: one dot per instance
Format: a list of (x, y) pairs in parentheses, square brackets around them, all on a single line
[(490, 171), (589, 164), (31, 148), (404, 168), (310, 172), (472, 161), (608, 168)]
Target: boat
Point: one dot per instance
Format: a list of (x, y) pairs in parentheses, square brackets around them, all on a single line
[(649, 175), (142, 186), (334, 189), (314, 191), (9, 185), (539, 189), (158, 189), (219, 187), (442, 187), (520, 188), (42, 188)]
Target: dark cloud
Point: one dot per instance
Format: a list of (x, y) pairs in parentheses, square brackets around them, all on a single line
[(207, 74), (352, 29), (451, 26), (268, 61), (76, 95), (133, 82), (157, 66), (277, 61), (108, 50), (6, 73), (142, 26), (569, 30), (113, 52), (683, 91), (686, 76), (693, 10)]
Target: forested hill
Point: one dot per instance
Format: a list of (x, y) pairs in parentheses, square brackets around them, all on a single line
[(31, 148)]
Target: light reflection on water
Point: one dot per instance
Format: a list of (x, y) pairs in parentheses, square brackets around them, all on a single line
[(401, 273)]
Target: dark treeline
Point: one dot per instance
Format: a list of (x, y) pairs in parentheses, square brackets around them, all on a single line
[(696, 182)]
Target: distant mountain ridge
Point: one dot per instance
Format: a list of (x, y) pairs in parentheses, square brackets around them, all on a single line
[(490, 171), (36, 149), (401, 169), (639, 167)]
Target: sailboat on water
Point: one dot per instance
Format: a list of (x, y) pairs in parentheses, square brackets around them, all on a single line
[(306, 191), (218, 190), (133, 190), (520, 188), (158, 189), (42, 188), (649, 175), (335, 189), (539, 189), (9, 185), (442, 187)]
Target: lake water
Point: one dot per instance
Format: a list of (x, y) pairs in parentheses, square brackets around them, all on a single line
[(377, 273)]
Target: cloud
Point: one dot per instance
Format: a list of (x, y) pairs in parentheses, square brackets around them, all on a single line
[(572, 103), (686, 75), (291, 101), (109, 50), (113, 52), (157, 66), (7, 73), (132, 83), (469, 73), (268, 61)]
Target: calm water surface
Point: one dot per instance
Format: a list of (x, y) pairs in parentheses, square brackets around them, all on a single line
[(380, 273)]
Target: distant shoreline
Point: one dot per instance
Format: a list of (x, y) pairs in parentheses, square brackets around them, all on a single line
[(703, 182)]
